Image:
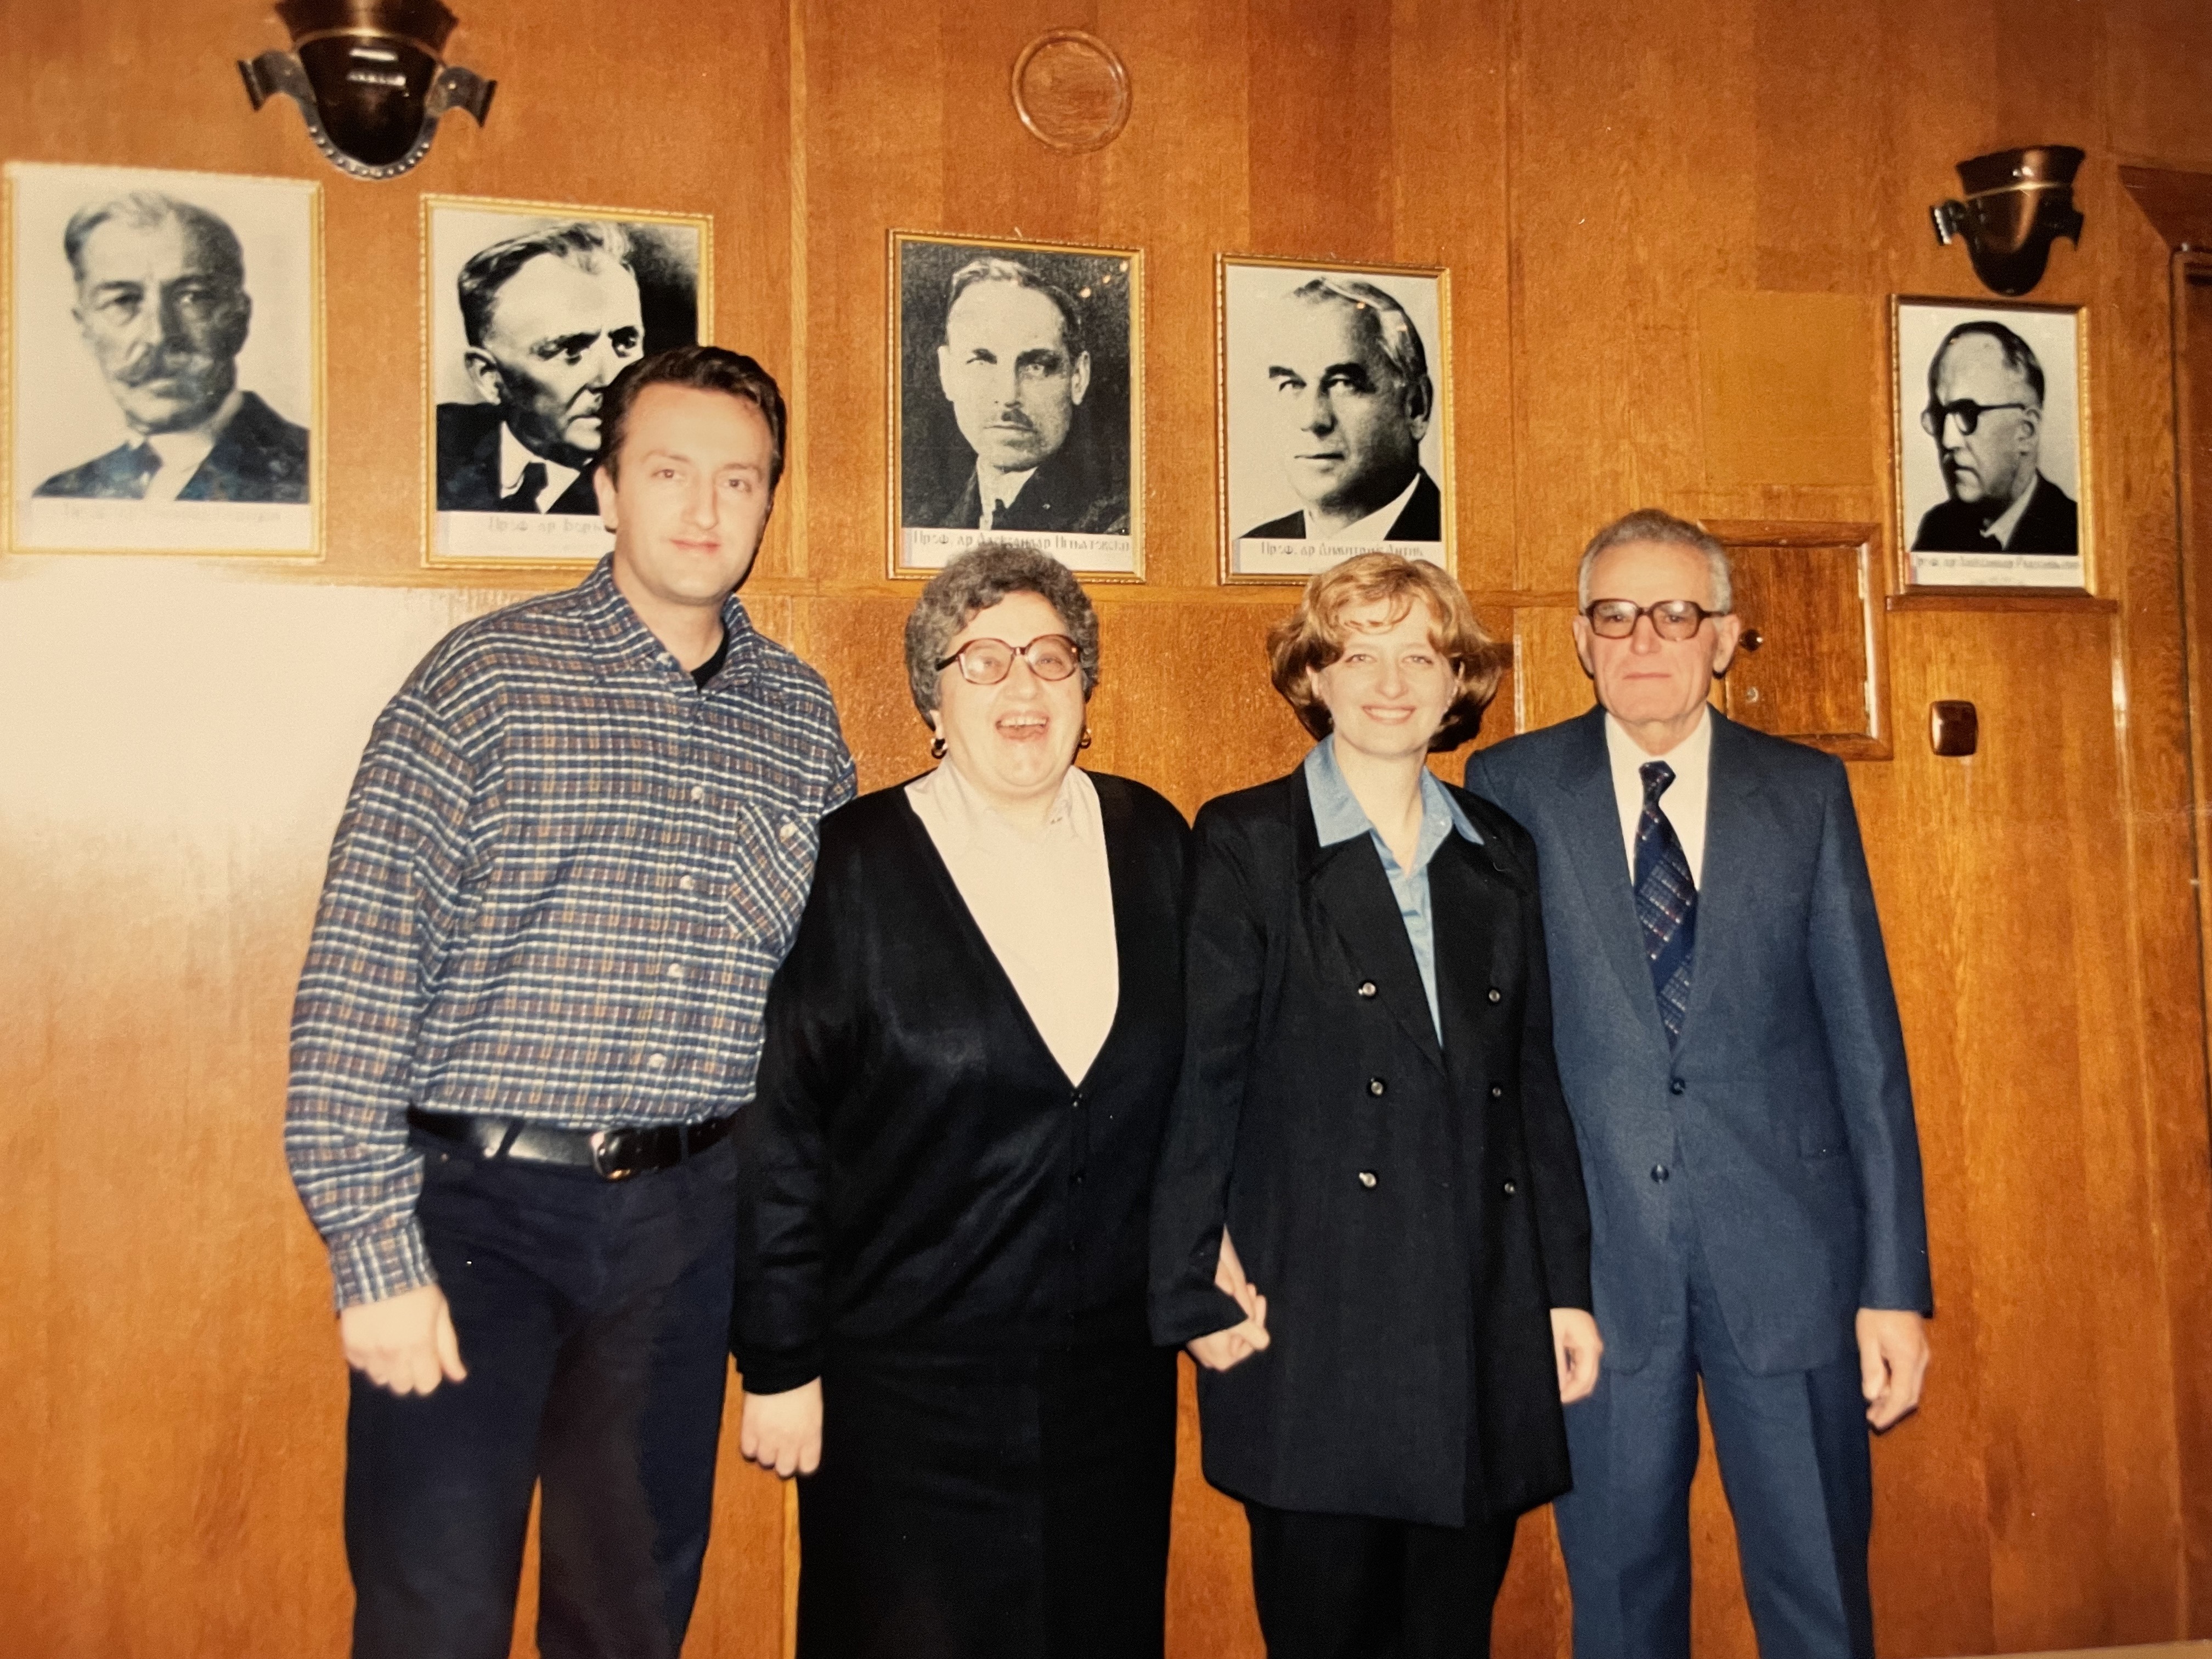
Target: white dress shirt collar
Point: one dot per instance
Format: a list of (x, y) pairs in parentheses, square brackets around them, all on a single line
[(1375, 526), (513, 457), (2005, 522), (1684, 803)]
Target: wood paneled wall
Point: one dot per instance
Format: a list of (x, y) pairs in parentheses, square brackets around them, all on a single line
[(1626, 199)]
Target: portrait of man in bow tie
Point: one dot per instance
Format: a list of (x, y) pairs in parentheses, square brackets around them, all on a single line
[(163, 307), (533, 315)]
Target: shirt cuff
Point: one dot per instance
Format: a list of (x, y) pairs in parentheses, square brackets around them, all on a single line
[(377, 1262)]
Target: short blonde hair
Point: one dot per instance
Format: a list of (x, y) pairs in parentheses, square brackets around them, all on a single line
[(1313, 636)]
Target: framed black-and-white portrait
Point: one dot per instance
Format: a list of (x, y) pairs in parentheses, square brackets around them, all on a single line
[(1335, 415), (1015, 406), (531, 310), (164, 353), (1992, 444)]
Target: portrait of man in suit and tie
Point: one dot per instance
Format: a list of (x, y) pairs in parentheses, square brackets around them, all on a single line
[(163, 340), (1731, 1055), (1997, 436), (1335, 430), (1014, 401), (534, 316)]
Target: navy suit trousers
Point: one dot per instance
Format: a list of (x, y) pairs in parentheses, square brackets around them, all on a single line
[(1794, 1463), (593, 1319)]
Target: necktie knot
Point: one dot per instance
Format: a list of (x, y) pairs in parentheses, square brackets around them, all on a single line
[(1656, 775)]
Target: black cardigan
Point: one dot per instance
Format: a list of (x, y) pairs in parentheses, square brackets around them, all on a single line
[(917, 1171), (1412, 1213)]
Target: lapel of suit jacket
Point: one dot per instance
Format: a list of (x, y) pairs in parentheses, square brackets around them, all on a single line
[(1350, 892), (1738, 821), (1590, 817)]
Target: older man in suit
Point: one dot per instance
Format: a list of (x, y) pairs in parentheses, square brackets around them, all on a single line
[(162, 305), (1729, 1048)]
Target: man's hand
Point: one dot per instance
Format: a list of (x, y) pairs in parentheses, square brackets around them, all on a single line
[(1219, 1350), (1892, 1364), (1576, 1346), (404, 1343), (782, 1432)]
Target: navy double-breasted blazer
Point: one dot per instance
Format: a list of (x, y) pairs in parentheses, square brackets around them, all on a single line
[(1784, 1112), (1412, 1210)]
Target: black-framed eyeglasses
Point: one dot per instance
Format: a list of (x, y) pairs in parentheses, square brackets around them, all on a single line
[(985, 662), (1966, 412), (1671, 619)]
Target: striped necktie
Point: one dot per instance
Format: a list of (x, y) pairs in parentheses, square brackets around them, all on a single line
[(1665, 902)]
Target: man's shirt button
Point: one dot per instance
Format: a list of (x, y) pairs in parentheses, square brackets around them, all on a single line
[(656, 1062), (698, 791), (676, 971), (689, 884)]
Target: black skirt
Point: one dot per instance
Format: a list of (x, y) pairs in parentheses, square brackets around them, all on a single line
[(989, 1505)]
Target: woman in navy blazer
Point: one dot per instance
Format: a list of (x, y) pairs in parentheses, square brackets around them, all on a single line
[(1369, 1125)]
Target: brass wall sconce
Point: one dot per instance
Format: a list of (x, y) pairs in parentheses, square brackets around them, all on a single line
[(368, 80), (2018, 203)]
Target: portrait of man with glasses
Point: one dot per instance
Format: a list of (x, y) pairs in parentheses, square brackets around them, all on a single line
[(1985, 412)]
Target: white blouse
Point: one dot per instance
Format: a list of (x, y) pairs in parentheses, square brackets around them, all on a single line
[(1044, 900)]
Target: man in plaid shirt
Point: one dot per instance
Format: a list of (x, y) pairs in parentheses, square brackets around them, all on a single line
[(574, 854)]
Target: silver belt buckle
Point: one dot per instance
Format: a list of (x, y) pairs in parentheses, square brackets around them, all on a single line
[(607, 1145)]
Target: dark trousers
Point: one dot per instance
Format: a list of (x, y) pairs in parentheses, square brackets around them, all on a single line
[(593, 1320), (1794, 1463), (1349, 1586), (990, 1505)]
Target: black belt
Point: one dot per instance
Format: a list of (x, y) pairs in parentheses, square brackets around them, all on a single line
[(610, 1154)]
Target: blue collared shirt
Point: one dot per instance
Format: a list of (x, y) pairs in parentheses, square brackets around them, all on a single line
[(1337, 817)]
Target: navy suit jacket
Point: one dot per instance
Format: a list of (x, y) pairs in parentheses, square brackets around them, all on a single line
[(259, 457), (1783, 1115)]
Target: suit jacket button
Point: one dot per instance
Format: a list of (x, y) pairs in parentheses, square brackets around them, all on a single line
[(1367, 1178), (1675, 1086), (1510, 1189), (1497, 995), (1497, 1092), (1658, 1172), (1367, 988), (1374, 1086)]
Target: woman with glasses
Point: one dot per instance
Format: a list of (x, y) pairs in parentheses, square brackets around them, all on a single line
[(1370, 1226), (946, 1172)]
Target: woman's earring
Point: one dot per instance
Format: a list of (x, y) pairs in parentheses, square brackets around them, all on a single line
[(1084, 742), (937, 749)]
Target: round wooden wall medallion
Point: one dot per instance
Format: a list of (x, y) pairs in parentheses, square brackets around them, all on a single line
[(1071, 90)]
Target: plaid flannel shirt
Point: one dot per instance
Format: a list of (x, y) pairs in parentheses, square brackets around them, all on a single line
[(563, 880)]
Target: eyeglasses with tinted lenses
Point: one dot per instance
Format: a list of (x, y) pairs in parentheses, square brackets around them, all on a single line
[(985, 662), (1671, 619), (1966, 412)]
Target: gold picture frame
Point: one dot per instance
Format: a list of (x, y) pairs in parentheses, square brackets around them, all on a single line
[(86, 478), (1930, 494), (1254, 488), (1083, 500), (468, 519)]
